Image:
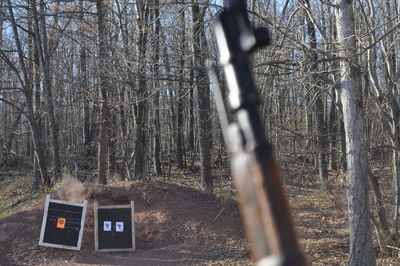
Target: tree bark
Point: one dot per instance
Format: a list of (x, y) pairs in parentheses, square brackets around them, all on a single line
[(34, 80), (333, 132), (379, 203), (190, 139), (83, 79), (103, 87), (141, 118), (179, 134), (41, 44), (318, 105), (203, 99), (156, 98), (361, 248)]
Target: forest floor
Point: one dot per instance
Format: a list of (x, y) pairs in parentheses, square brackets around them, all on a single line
[(176, 224)]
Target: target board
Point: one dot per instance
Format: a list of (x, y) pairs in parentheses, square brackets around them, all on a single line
[(114, 228), (63, 224)]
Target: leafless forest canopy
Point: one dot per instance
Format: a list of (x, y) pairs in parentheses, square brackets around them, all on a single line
[(124, 83)]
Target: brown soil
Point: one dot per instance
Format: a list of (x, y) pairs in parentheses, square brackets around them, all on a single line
[(174, 225), (177, 224)]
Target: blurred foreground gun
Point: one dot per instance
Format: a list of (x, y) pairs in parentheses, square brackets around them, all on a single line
[(262, 200)]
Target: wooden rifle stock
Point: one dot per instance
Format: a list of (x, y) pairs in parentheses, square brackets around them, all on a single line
[(265, 210), (263, 203)]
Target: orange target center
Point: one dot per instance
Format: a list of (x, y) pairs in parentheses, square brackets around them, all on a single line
[(61, 223)]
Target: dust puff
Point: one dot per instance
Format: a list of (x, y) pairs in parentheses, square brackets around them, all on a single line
[(71, 189)]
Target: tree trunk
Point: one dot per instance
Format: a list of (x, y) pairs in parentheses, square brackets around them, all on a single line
[(361, 248), (391, 71), (318, 105), (203, 99), (343, 149), (391, 117), (333, 132), (83, 79), (37, 140), (190, 139), (179, 134), (141, 118), (156, 98), (379, 203), (41, 41), (34, 83), (396, 178), (103, 87)]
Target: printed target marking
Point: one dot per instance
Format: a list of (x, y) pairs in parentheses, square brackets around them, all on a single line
[(61, 223), (107, 226), (119, 227)]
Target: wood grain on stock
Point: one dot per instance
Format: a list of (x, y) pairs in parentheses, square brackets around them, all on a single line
[(265, 209)]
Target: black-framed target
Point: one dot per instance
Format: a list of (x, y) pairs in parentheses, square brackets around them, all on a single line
[(114, 227), (63, 224)]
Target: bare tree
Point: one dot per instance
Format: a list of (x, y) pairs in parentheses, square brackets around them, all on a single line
[(103, 87), (142, 110), (361, 248), (156, 97), (389, 107), (179, 134), (318, 105), (26, 90), (43, 52), (83, 79), (203, 99)]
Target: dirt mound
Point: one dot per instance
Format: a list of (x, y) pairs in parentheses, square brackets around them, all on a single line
[(174, 225)]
